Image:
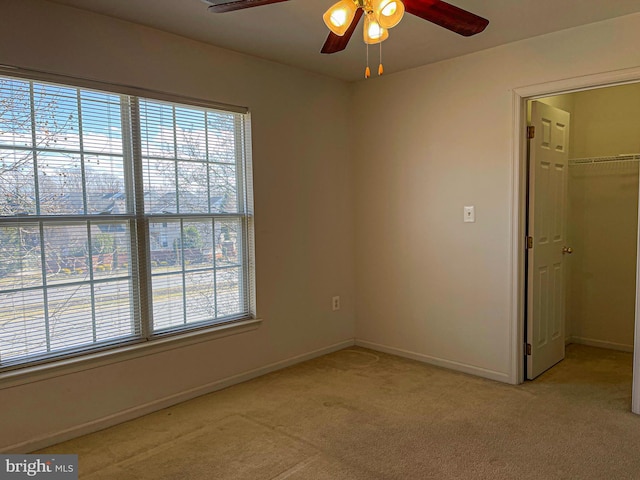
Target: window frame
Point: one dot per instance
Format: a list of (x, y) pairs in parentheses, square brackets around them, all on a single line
[(141, 270)]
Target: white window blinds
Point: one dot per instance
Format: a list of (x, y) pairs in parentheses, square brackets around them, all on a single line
[(121, 218)]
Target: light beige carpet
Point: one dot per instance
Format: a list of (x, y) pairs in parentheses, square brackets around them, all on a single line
[(359, 414)]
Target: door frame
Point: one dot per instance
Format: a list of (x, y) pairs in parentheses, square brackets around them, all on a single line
[(520, 96)]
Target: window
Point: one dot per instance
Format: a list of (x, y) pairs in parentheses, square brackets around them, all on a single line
[(122, 219)]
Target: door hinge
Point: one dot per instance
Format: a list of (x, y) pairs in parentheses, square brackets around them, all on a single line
[(528, 348), (531, 132), (529, 242)]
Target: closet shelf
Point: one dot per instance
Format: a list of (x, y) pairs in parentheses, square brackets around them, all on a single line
[(632, 157)]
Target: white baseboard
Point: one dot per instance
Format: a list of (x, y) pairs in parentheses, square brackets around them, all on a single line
[(602, 344), (440, 362), (150, 407)]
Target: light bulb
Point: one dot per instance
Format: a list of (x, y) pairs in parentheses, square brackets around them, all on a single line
[(373, 33), (390, 9), (388, 12), (339, 16)]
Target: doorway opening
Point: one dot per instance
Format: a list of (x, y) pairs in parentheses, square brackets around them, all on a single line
[(602, 167)]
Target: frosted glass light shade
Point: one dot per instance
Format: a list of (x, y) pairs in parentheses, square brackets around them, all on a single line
[(373, 33), (339, 16), (388, 12)]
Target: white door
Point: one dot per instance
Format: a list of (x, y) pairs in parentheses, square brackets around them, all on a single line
[(548, 175)]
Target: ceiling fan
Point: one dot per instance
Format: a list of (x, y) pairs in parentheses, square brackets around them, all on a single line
[(436, 11)]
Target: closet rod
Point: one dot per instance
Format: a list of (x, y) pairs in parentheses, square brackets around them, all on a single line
[(631, 157)]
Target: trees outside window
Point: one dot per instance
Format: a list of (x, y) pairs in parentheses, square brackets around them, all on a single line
[(82, 173)]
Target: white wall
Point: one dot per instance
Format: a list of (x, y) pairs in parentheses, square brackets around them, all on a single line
[(430, 141), (303, 206), (603, 213), (606, 121)]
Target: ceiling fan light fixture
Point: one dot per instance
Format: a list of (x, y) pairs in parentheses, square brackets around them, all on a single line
[(388, 12), (373, 32), (339, 16)]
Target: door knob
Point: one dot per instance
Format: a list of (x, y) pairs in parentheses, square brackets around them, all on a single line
[(568, 250)]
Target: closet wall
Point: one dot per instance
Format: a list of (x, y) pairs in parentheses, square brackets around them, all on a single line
[(602, 215)]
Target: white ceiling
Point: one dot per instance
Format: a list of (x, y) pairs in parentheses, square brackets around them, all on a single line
[(292, 32)]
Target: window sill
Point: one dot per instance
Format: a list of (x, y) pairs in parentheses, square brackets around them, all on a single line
[(37, 373)]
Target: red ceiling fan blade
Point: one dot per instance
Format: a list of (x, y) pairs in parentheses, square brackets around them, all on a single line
[(446, 15), (336, 43), (220, 6)]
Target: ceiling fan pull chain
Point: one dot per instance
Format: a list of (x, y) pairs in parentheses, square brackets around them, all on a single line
[(380, 67), (367, 71)]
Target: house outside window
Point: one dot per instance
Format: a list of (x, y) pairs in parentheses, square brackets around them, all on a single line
[(123, 218)]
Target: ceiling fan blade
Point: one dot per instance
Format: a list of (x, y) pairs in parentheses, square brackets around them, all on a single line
[(220, 6), (446, 15), (336, 43)]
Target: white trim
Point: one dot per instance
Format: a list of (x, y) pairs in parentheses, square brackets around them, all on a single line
[(635, 395), (439, 362), (45, 371), (518, 187), (577, 84), (622, 347), (516, 254), (150, 407)]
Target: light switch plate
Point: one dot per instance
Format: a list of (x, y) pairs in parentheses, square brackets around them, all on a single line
[(469, 214)]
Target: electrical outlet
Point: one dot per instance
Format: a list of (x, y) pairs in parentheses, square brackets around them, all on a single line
[(335, 303)]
